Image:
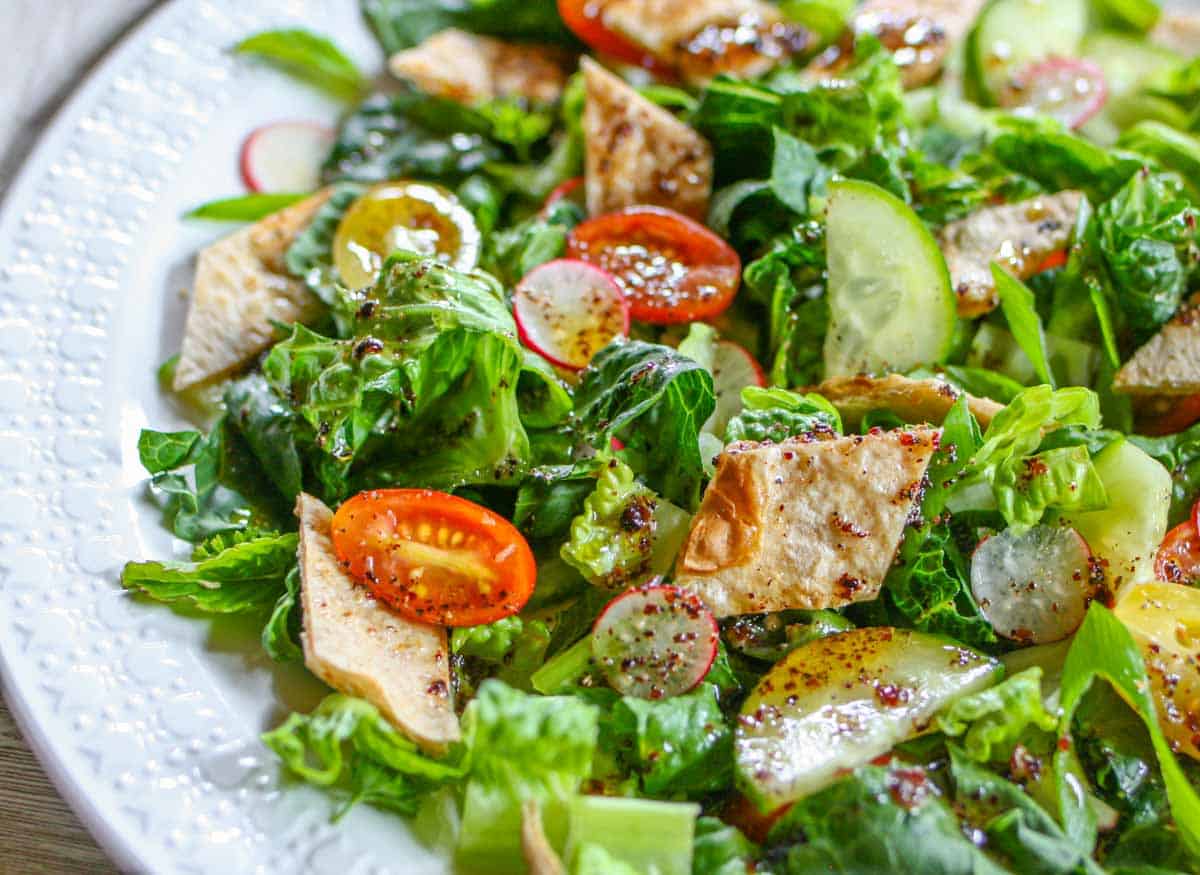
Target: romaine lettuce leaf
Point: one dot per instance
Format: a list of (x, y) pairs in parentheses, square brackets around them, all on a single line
[(1019, 831), (1103, 648), (310, 257), (721, 849), (512, 647), (776, 414), (879, 819), (656, 401), (346, 744), (680, 747), (520, 747), (226, 492), (1021, 483), (611, 540), (281, 635), (432, 390), (991, 721), (235, 575), (1148, 238)]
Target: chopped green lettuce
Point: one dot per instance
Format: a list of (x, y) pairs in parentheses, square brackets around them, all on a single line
[(879, 819), (992, 721), (281, 634), (611, 541), (1103, 648), (776, 414), (347, 745), (520, 747), (667, 395), (233, 575), (680, 747)]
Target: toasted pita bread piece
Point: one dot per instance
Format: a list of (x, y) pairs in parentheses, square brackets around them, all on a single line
[(241, 287), (918, 33), (361, 648), (1017, 236), (805, 524), (469, 69), (638, 153), (1178, 30), (701, 38), (1169, 363), (912, 400)]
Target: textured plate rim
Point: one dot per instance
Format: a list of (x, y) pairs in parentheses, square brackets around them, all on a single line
[(112, 839)]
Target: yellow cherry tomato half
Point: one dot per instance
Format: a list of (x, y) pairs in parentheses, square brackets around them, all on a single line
[(410, 216)]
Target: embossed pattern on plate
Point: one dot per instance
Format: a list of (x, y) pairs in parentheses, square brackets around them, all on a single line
[(147, 720)]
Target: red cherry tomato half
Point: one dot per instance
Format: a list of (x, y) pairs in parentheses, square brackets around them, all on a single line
[(1055, 259), (671, 268), (1183, 413), (434, 558), (1178, 559), (584, 18)]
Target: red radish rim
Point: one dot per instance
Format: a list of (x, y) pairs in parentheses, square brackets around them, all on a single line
[(602, 276), (561, 191), (245, 155), (655, 585), (1093, 71), (760, 376)]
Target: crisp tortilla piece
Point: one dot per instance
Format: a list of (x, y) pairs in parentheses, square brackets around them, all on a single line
[(915, 401), (804, 524), (1017, 236), (361, 648), (638, 153), (1169, 363), (241, 287), (701, 38), (470, 69), (918, 33)]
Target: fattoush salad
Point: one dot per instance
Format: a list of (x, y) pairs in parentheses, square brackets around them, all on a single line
[(719, 436)]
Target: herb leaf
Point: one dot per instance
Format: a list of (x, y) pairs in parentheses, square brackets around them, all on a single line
[(309, 57)]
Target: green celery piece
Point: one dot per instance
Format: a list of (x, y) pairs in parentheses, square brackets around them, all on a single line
[(652, 837)]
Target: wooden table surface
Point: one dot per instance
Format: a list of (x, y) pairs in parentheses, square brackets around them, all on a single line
[(38, 831)]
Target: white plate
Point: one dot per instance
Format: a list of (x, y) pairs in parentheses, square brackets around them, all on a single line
[(147, 720)]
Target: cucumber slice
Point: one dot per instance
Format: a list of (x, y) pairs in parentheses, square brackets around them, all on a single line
[(838, 702), (1012, 33), (1126, 534), (890, 300)]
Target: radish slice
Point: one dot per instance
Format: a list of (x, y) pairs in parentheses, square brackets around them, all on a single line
[(285, 156), (571, 188), (1033, 587), (655, 641), (1069, 89), (567, 311), (733, 369)]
